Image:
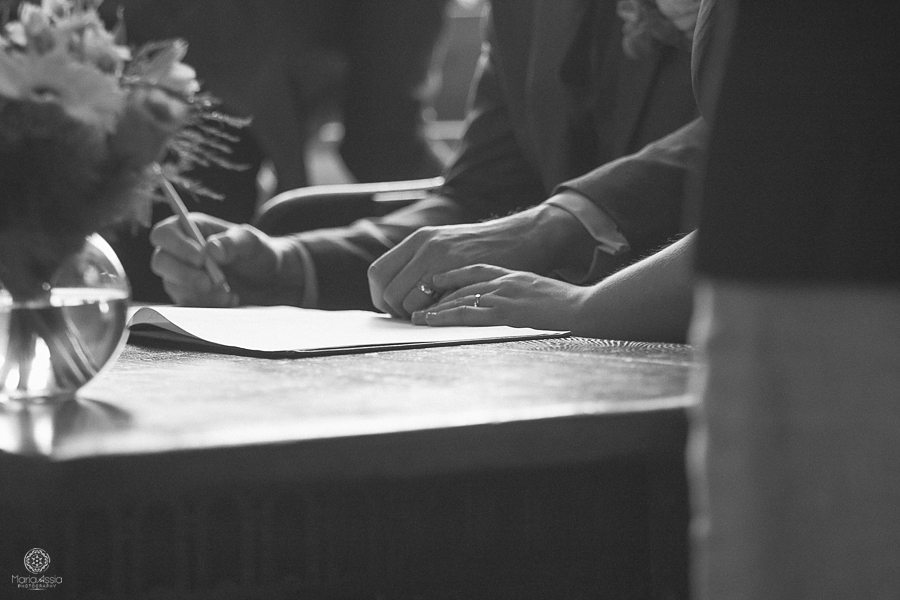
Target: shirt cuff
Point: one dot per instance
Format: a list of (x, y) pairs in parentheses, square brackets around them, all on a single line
[(309, 298), (602, 228), (611, 244)]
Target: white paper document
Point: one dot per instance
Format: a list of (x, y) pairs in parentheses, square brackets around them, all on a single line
[(288, 330)]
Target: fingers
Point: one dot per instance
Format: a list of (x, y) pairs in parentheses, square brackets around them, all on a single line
[(409, 290), (466, 282), (180, 260), (212, 295), (470, 296), (469, 310), (422, 294), (170, 236), (401, 283), (396, 277), (187, 284), (383, 272), (399, 277), (175, 271), (468, 316), (462, 286), (470, 275), (480, 296)]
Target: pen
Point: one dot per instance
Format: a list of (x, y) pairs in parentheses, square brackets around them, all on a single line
[(189, 227)]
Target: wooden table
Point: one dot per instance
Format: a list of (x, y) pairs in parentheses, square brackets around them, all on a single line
[(535, 469)]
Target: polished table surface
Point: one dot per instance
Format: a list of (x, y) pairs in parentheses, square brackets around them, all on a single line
[(532, 425), (156, 400)]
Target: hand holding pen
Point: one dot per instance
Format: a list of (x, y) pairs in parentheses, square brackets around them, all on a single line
[(190, 228), (190, 251)]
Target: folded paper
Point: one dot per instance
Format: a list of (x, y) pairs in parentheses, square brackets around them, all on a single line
[(292, 331)]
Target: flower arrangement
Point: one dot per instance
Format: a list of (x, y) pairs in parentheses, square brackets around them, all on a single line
[(649, 22), (90, 130), (87, 126)]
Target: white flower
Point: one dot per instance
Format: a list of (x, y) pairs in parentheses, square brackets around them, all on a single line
[(99, 49), (35, 29), (89, 118), (682, 13), (83, 92), (161, 66), (57, 8), (181, 79)]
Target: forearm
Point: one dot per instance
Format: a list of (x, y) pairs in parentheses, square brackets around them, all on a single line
[(650, 300), (543, 239)]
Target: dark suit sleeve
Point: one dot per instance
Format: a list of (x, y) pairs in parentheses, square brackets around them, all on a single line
[(489, 177), (637, 191), (342, 255)]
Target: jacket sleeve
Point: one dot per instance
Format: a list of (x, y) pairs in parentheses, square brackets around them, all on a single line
[(644, 193), (341, 256)]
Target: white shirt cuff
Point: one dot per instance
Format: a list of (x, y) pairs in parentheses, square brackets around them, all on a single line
[(309, 298), (611, 245), (598, 224)]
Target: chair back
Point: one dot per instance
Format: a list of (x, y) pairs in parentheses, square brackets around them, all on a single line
[(323, 206)]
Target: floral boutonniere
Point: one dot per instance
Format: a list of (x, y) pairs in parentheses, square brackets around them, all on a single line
[(648, 22), (86, 126)]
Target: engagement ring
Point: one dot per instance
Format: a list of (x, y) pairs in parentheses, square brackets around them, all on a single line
[(426, 289), (477, 300)]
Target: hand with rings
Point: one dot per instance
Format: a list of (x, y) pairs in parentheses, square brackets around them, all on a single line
[(426, 290), (401, 282), (489, 295), (650, 300)]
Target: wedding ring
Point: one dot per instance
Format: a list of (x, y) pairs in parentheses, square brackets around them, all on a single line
[(477, 300), (426, 289)]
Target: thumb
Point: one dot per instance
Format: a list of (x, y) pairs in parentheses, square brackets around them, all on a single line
[(207, 224), (234, 244)]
